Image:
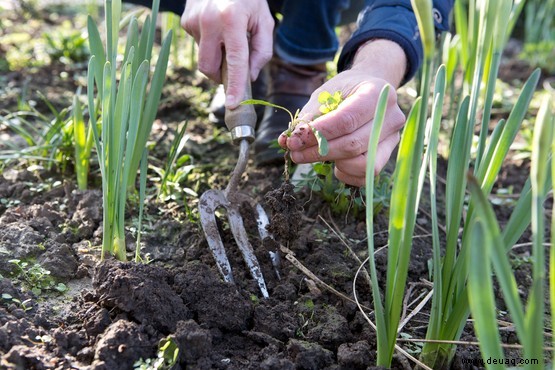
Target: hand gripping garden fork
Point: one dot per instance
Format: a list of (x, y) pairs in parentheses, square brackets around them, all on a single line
[(241, 123)]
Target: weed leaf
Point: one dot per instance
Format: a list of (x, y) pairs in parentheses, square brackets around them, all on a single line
[(262, 102), (323, 148)]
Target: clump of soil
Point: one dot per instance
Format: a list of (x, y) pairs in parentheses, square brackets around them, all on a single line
[(285, 221)]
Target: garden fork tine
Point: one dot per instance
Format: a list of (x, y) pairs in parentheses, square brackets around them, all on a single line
[(241, 123)]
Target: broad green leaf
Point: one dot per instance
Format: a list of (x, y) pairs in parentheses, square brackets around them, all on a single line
[(431, 161), (480, 292), (459, 157), (488, 171), (501, 264), (143, 41), (151, 103), (542, 140), (425, 19)]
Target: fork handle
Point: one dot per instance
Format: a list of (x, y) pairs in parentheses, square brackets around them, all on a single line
[(241, 121)]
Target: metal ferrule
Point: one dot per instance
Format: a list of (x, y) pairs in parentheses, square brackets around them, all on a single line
[(239, 133)]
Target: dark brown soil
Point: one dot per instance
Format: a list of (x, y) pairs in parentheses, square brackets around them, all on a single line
[(285, 222)]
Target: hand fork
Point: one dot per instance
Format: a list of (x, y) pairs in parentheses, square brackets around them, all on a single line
[(241, 123)]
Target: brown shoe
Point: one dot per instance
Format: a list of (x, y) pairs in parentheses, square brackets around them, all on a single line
[(289, 86)]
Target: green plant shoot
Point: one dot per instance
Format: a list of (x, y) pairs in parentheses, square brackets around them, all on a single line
[(329, 102), (127, 111), (83, 137)]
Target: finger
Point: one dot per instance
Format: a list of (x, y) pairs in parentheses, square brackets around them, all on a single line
[(261, 46), (354, 167), (282, 141), (210, 56), (352, 171), (351, 145), (344, 147), (385, 149), (349, 179), (354, 111), (237, 56), (190, 24)]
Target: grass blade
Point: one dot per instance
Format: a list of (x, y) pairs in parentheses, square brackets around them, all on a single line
[(384, 342)]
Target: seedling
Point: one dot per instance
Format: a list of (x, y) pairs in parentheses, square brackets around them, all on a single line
[(24, 305), (329, 103), (343, 199), (44, 139), (69, 46), (166, 358), (36, 278), (83, 140)]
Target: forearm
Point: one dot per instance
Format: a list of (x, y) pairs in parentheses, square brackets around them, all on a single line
[(394, 20), (383, 59)]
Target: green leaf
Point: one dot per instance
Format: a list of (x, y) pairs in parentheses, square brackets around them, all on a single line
[(384, 340), (480, 291), (425, 19), (501, 264), (323, 148), (265, 103)]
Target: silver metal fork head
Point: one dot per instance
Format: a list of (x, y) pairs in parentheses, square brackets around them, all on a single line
[(210, 201)]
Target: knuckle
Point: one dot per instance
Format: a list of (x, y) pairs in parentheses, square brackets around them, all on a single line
[(207, 21), (228, 15), (399, 119), (297, 157), (349, 122), (269, 23), (206, 68), (355, 146), (187, 24), (265, 56)]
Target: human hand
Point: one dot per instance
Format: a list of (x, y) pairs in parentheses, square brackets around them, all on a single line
[(228, 23), (348, 128)]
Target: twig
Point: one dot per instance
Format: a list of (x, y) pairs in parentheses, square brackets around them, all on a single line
[(464, 343), (290, 256), (416, 310)]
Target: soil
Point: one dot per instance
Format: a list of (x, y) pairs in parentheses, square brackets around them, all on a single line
[(115, 313)]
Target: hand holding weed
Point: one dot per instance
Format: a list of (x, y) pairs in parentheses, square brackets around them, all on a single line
[(228, 23), (347, 128)]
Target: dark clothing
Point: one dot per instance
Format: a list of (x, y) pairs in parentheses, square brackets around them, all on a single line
[(395, 21), (306, 34)]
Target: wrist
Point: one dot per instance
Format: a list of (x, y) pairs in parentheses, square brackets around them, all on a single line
[(381, 58)]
